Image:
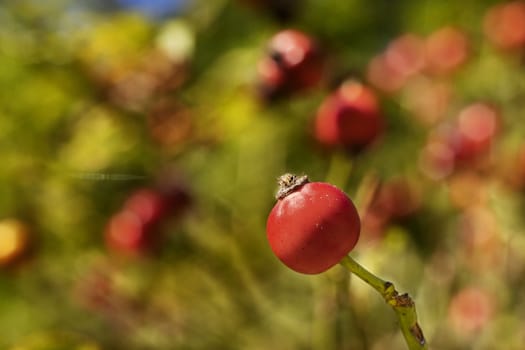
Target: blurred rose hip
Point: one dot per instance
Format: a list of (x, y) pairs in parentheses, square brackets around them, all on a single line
[(477, 126), (147, 204), (312, 226), (293, 63), (349, 117), (134, 229), (382, 76), (445, 50), (504, 25), (403, 58), (467, 141), (470, 310), (126, 233), (406, 54)]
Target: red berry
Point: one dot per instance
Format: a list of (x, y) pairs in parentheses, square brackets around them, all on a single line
[(147, 204), (293, 63), (504, 25), (349, 118), (383, 76), (126, 233), (476, 128), (470, 310), (465, 142), (312, 226), (446, 50), (406, 55), (136, 228)]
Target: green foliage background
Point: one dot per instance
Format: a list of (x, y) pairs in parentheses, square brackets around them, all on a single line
[(215, 284)]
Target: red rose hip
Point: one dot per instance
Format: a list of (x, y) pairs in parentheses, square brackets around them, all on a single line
[(126, 233), (312, 226), (349, 117), (293, 63), (477, 127), (504, 25)]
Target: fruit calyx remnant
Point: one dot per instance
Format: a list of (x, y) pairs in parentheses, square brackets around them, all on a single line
[(289, 183)]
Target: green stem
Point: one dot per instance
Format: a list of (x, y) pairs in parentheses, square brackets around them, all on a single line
[(402, 304), (339, 170)]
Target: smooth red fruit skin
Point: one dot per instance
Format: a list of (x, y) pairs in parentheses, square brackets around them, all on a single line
[(313, 228)]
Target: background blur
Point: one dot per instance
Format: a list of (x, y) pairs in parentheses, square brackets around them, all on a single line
[(139, 159)]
